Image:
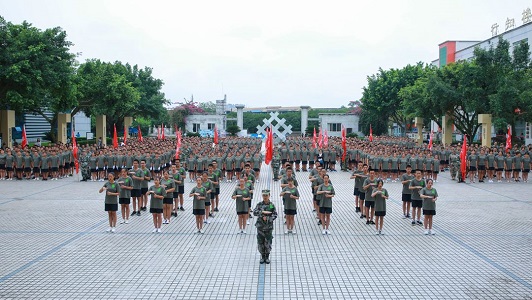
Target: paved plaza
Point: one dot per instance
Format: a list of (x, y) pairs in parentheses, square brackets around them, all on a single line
[(54, 246)]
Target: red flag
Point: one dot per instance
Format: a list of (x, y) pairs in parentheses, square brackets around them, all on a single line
[(314, 139), (320, 139), (269, 146), (115, 138), (178, 144), (162, 132), (430, 141), (370, 133), (326, 138), (344, 142), (139, 135), (24, 138), (463, 158), (75, 152), (215, 135), (509, 139), (125, 134)]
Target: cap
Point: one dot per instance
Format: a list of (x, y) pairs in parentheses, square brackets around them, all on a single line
[(266, 192)]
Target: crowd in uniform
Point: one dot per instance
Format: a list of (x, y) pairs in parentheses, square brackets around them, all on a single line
[(149, 172)]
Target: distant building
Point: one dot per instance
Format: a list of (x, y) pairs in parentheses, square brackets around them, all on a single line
[(37, 126), (199, 123), (333, 123)]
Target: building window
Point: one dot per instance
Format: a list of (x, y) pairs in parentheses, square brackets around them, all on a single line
[(210, 126), (196, 127), (335, 127)]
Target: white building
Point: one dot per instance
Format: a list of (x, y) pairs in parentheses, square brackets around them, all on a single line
[(199, 123), (453, 51), (333, 123)]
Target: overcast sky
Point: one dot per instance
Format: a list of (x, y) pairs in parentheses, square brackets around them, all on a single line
[(288, 53)]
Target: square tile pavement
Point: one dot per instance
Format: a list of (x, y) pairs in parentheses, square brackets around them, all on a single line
[(54, 247)]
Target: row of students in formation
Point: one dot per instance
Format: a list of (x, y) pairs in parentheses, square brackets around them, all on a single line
[(417, 193), (55, 162), (370, 197)]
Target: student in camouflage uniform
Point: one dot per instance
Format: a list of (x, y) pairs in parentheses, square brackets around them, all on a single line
[(266, 212)]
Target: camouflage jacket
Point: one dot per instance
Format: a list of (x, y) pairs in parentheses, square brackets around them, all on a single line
[(268, 224), (276, 161)]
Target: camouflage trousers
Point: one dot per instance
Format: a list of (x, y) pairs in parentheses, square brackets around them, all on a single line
[(276, 173), (264, 241), (454, 170)]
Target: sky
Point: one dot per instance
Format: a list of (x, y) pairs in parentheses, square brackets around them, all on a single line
[(267, 53)]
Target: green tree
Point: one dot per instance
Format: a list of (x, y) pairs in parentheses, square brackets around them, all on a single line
[(380, 98), (103, 88), (513, 97), (119, 91), (209, 107), (232, 129), (36, 69)]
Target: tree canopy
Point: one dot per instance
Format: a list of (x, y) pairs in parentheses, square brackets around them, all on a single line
[(36, 69), (39, 74), (495, 81)]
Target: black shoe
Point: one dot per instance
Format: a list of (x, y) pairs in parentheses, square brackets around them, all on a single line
[(267, 260), (216, 209), (210, 215), (133, 213), (138, 213), (413, 223), (373, 223), (357, 209), (174, 214), (250, 216), (420, 223), (181, 208), (262, 260), (367, 222), (319, 222), (362, 216)]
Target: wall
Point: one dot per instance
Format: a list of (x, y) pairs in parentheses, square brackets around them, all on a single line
[(203, 120)]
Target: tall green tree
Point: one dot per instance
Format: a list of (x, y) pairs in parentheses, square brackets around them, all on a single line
[(119, 91), (512, 99), (36, 69), (380, 98), (103, 88)]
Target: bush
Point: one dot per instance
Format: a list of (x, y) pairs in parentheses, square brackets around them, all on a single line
[(191, 134)]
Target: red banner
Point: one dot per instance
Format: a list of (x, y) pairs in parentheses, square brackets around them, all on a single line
[(509, 139), (115, 138), (344, 142), (370, 133), (314, 139), (24, 138), (139, 134), (125, 134), (463, 158)]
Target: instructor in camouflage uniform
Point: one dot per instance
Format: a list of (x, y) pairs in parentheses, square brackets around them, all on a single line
[(276, 164), (265, 210), (84, 166), (455, 164)]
